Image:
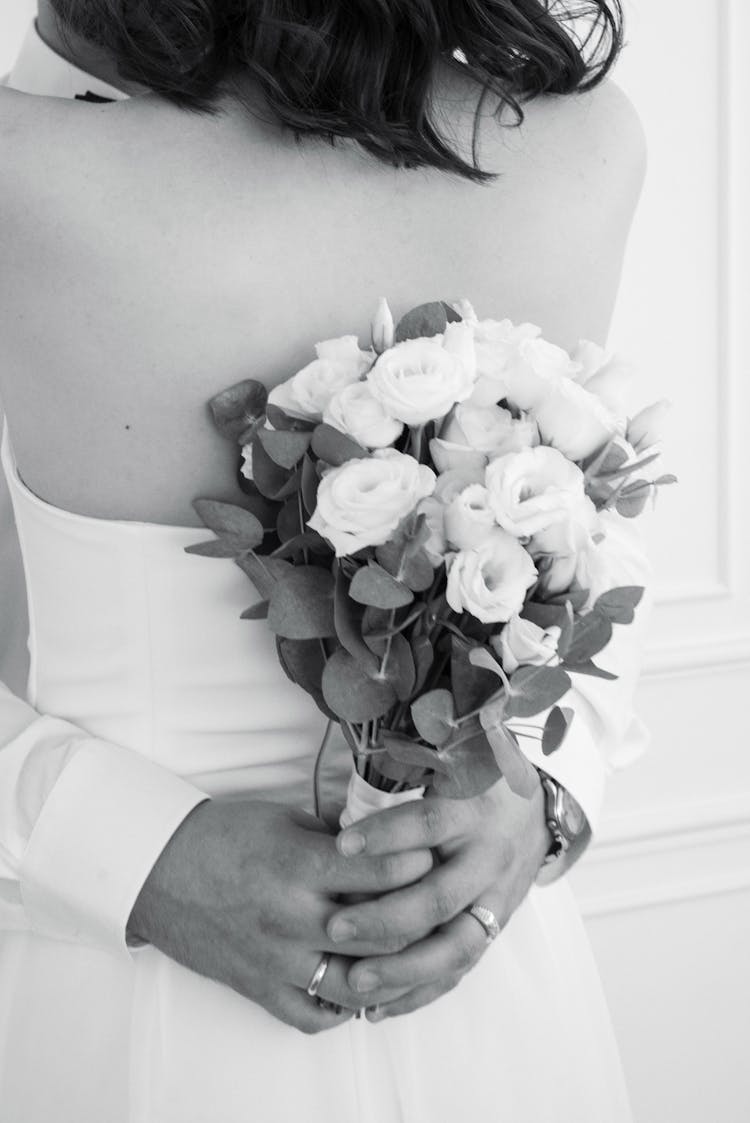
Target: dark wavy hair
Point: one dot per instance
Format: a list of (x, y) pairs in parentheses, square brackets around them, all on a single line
[(362, 69)]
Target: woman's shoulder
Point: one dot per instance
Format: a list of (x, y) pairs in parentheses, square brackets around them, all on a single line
[(592, 138)]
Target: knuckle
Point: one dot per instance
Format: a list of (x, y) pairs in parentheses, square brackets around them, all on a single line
[(389, 869), (464, 956), (443, 906), (432, 819)]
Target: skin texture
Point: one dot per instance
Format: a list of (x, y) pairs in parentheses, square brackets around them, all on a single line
[(245, 893), (152, 258)]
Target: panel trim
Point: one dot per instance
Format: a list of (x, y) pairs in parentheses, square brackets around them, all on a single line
[(690, 857)]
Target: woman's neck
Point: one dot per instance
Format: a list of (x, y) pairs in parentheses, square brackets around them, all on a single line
[(77, 50)]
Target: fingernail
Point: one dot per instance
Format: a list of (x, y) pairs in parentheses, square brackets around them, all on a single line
[(342, 930), (375, 1014), (351, 843), (367, 980)]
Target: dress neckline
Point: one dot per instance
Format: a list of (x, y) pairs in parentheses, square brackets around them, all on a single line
[(10, 467)]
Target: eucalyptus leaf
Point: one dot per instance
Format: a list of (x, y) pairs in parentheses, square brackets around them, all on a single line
[(422, 322), (472, 686), (411, 752), (373, 585), (264, 572), (257, 611), (230, 521), (335, 447), (399, 667), (239, 407), (301, 604), (424, 656), (285, 447), (473, 768), (534, 689), (630, 506), (303, 662), (619, 604), (309, 482), (348, 618), (555, 729), (309, 541), (280, 419), (588, 667), (408, 775), (481, 657), (520, 775), (591, 633), (351, 693), (270, 478), (434, 716), (413, 570), (225, 547), (544, 615)]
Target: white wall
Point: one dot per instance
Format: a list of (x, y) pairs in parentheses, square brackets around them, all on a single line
[(666, 889), (14, 18)]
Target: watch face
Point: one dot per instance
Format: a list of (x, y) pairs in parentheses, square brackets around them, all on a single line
[(572, 818)]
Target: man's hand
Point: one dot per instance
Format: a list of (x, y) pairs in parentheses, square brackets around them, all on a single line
[(243, 893), (419, 939)]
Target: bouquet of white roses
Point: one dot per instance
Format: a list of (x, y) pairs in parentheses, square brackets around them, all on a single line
[(421, 523)]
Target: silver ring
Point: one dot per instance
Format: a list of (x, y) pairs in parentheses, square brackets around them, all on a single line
[(318, 975), (487, 919)]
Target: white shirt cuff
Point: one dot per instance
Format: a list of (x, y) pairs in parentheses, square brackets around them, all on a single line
[(101, 829)]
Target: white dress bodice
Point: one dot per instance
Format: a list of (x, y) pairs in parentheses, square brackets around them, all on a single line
[(142, 644)]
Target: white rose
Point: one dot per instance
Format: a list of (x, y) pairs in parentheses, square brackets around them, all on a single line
[(354, 411), (524, 643), (491, 581), (420, 380), (468, 518), (362, 502), (556, 573), (571, 534), (451, 483), (345, 349), (575, 421), (496, 343), (448, 457), (340, 362), (534, 370), (489, 429), (472, 434), (534, 489), (645, 429), (590, 358)]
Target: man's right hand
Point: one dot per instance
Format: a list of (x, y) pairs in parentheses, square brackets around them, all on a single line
[(242, 894)]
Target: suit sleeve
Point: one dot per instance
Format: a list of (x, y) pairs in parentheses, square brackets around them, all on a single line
[(82, 822)]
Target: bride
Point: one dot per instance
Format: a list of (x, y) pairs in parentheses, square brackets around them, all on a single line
[(173, 218)]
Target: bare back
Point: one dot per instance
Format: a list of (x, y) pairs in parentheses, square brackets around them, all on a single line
[(151, 257)]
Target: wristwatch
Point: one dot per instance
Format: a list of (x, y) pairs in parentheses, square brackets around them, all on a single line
[(565, 817)]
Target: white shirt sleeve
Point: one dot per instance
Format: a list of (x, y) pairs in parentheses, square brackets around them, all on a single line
[(82, 822), (605, 734)]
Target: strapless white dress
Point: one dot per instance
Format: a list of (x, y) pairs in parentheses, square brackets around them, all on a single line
[(141, 644)]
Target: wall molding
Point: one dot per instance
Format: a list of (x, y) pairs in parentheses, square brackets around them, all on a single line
[(689, 853), (705, 655)]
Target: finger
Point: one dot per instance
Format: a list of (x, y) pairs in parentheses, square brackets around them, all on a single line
[(296, 1008), (372, 874), (415, 1000), (420, 824), (335, 987), (450, 952), (392, 922)]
